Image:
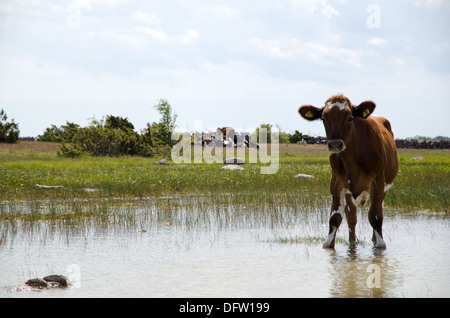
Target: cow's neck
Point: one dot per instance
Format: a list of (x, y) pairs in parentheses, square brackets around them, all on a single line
[(348, 159), (350, 156)]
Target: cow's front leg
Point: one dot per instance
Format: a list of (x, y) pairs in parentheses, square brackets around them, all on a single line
[(336, 216), (350, 214), (376, 216)]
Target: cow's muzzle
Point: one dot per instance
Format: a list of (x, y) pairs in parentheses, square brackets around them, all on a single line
[(336, 145)]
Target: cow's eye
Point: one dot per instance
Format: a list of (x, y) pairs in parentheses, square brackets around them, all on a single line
[(350, 119)]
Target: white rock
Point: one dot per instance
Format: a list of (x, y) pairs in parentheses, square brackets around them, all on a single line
[(304, 176), (41, 186), (234, 160)]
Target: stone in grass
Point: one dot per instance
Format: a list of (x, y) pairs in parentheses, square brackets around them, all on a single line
[(232, 167), (234, 160), (41, 186), (304, 176), (162, 162)]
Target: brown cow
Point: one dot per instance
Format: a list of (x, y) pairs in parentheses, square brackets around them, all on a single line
[(363, 160), (227, 132)]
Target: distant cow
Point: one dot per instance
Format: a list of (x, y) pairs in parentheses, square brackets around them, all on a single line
[(229, 135), (363, 160)]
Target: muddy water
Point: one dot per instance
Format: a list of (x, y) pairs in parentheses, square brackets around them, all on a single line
[(227, 253)]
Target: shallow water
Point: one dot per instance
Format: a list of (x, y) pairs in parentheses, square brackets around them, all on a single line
[(227, 252)]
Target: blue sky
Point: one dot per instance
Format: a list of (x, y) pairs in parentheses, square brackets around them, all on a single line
[(226, 63)]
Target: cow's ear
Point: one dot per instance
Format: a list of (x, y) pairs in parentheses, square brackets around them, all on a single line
[(310, 112), (364, 109)]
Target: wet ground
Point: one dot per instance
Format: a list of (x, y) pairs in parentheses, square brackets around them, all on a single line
[(227, 253)]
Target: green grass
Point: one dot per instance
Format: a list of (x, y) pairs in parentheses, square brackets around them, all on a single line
[(420, 185)]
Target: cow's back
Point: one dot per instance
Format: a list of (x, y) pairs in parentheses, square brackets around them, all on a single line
[(384, 122), (388, 145)]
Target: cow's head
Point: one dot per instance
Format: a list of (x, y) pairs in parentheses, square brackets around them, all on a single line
[(338, 116)]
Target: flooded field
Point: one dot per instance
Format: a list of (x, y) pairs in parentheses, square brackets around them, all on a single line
[(144, 250)]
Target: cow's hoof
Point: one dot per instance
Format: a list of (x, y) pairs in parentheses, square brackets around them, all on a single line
[(379, 244), (329, 243)]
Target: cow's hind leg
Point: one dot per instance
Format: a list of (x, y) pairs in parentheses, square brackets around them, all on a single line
[(376, 217), (350, 214)]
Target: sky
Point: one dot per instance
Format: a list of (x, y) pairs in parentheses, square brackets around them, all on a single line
[(224, 63)]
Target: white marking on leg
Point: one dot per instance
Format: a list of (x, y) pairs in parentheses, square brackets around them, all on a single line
[(340, 209), (380, 242), (387, 186), (330, 238), (361, 199)]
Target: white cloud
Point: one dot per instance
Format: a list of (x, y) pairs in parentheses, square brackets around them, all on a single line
[(79, 4), (37, 8), (224, 11), (375, 41), (87, 4), (189, 37), (443, 47), (145, 17), (127, 39), (110, 2), (315, 7), (156, 34), (270, 48), (431, 4), (322, 53)]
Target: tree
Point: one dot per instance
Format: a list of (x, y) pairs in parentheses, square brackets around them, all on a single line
[(296, 137), (154, 134), (9, 131), (117, 122), (64, 133), (167, 121), (268, 131)]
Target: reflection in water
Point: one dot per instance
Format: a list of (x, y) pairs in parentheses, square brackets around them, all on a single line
[(363, 272), (224, 251)]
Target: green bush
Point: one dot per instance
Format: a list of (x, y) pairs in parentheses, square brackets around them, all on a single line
[(64, 133), (71, 151), (115, 136), (101, 141)]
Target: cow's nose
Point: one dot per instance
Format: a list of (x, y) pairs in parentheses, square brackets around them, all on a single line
[(335, 145)]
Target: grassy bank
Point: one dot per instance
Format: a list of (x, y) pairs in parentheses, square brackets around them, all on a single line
[(422, 185)]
